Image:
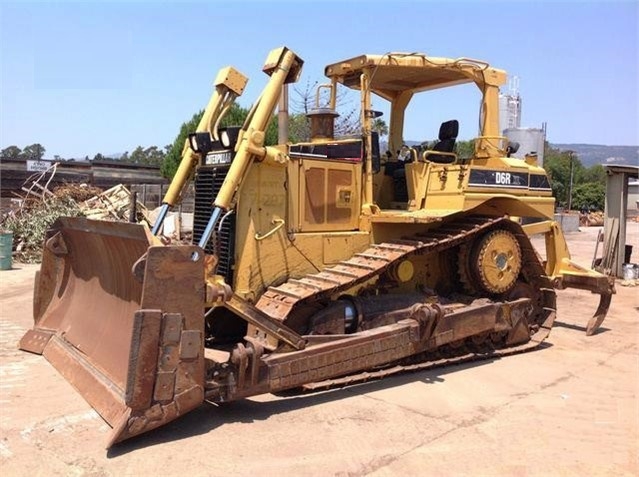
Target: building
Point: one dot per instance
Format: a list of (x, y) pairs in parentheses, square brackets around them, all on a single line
[(14, 173)]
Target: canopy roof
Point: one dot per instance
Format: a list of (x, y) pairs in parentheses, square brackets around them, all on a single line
[(394, 73), (631, 171)]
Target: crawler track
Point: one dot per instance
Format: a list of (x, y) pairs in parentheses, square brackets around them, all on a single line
[(282, 302)]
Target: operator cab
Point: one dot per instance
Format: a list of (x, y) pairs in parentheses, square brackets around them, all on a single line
[(432, 179)]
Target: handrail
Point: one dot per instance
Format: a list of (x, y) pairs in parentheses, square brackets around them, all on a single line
[(279, 223)]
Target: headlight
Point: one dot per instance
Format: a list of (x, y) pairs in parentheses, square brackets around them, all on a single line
[(228, 136), (225, 139), (200, 142)]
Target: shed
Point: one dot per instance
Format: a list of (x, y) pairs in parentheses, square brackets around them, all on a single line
[(616, 251)]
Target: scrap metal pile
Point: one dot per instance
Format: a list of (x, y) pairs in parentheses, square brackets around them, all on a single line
[(38, 207)]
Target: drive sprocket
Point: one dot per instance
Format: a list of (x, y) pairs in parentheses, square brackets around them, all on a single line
[(496, 261)]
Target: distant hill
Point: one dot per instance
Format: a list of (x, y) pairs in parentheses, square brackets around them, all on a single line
[(591, 154)]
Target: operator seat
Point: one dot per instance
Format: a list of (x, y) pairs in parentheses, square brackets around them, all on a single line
[(448, 132)]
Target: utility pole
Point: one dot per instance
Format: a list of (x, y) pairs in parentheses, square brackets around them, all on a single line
[(571, 155)]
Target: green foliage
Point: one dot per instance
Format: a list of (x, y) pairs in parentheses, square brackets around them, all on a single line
[(30, 224), (380, 126), (33, 152), (558, 165), (11, 152), (150, 156), (299, 128), (271, 133), (154, 156), (172, 159), (235, 116), (137, 156), (465, 149), (270, 138), (588, 184), (595, 173), (589, 195)]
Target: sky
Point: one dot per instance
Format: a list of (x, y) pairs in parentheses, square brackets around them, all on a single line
[(82, 78)]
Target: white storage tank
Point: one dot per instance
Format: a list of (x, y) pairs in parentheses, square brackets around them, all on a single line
[(529, 139)]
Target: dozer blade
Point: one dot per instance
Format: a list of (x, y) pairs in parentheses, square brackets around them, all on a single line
[(121, 320)]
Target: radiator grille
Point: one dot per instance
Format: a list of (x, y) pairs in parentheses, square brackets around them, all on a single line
[(208, 180)]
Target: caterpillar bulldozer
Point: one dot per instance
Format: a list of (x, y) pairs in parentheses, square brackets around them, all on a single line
[(313, 264)]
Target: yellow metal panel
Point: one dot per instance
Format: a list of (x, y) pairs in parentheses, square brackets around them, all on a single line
[(329, 195), (293, 187), (500, 204), (261, 202), (314, 197), (339, 247), (232, 79), (407, 217), (444, 191)]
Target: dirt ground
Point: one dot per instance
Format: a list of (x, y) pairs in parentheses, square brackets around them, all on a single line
[(567, 409)]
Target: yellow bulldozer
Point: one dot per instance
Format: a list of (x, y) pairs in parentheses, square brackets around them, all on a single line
[(313, 264)]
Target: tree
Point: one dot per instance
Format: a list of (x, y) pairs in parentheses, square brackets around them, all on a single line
[(589, 196), (137, 156), (299, 128), (154, 156), (303, 98), (98, 157), (11, 152), (380, 127), (34, 152), (588, 184), (270, 137), (465, 149), (149, 156), (558, 166), (347, 124), (174, 156), (595, 173)]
